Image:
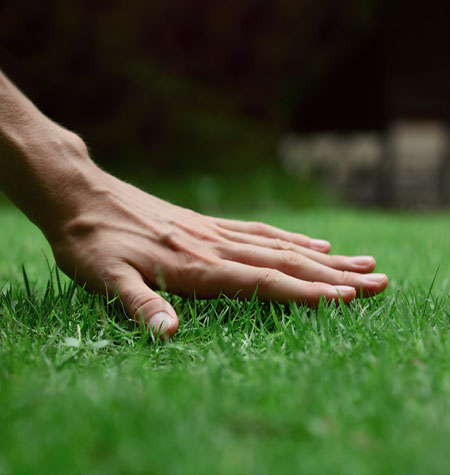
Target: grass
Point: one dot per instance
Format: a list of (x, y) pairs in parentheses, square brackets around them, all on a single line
[(244, 387)]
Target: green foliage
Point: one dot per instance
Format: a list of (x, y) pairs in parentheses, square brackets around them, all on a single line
[(245, 386), (266, 188)]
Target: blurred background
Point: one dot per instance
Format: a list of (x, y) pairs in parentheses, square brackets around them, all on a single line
[(254, 102)]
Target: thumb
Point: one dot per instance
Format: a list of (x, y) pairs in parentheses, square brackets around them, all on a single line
[(142, 303)]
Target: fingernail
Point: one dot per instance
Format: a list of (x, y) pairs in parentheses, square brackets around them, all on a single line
[(320, 245), (344, 289), (362, 260), (374, 278), (160, 322)]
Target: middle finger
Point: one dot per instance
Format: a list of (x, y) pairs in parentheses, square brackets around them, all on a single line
[(362, 264)]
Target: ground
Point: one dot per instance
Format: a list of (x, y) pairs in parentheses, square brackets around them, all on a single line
[(243, 387)]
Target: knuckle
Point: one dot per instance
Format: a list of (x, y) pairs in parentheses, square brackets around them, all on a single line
[(210, 237), (283, 245), (196, 270), (267, 278), (223, 248), (259, 227), (289, 259), (318, 289), (112, 275), (204, 232), (334, 261), (140, 301), (346, 277), (224, 234)]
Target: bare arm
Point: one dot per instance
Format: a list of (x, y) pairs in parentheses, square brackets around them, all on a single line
[(42, 165), (114, 237)]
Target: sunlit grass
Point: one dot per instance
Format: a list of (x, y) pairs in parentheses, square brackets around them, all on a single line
[(244, 387)]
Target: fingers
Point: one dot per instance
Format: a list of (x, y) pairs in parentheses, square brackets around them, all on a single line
[(143, 303), (261, 229), (356, 264), (237, 279), (301, 267)]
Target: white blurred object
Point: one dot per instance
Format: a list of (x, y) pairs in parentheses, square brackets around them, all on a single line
[(418, 145), (328, 151), (419, 151), (338, 159)]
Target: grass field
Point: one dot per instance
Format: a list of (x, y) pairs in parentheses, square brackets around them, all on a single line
[(244, 387)]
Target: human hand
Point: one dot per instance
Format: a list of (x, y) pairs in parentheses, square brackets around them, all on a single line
[(125, 241), (113, 237)]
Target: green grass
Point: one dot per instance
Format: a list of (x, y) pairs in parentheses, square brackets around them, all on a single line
[(244, 387)]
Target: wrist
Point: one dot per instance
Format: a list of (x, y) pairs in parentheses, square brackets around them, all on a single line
[(48, 174), (44, 169), (69, 183)]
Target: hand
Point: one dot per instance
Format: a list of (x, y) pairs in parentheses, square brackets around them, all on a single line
[(115, 238), (112, 237), (125, 241)]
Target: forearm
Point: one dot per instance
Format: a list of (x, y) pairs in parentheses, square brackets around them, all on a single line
[(43, 167)]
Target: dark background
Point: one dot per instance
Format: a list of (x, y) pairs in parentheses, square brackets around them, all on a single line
[(203, 85)]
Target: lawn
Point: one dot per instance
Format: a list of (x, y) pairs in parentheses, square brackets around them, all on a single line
[(243, 387)]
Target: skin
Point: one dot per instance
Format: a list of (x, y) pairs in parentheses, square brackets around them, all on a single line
[(116, 239)]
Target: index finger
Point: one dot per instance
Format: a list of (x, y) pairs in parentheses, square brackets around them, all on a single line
[(266, 230)]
